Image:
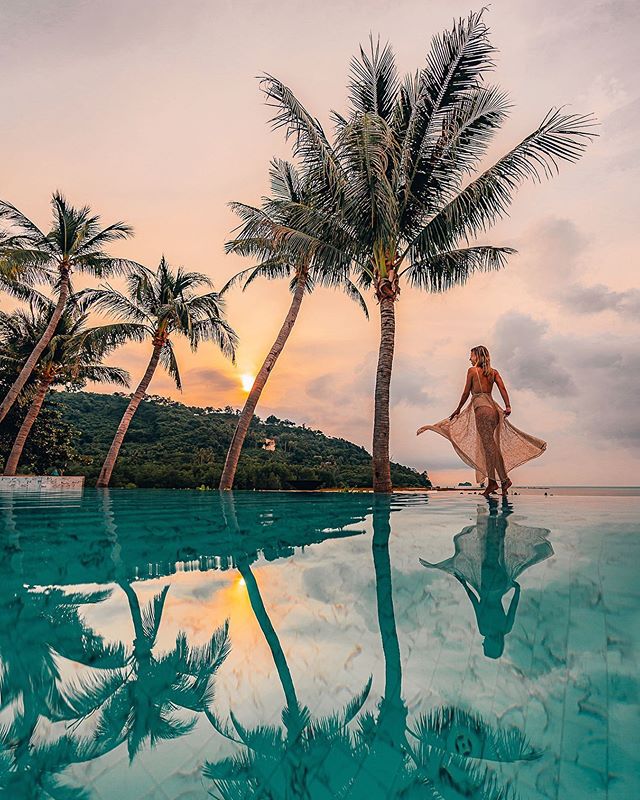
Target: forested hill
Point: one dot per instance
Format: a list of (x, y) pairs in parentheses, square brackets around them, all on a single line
[(173, 445)]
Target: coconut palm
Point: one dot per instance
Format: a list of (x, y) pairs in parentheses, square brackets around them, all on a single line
[(305, 273), (158, 305), (397, 190), (72, 357), (75, 243)]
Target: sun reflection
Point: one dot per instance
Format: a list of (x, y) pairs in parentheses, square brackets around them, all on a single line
[(247, 381)]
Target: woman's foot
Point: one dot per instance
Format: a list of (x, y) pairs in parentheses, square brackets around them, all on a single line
[(492, 488), (506, 485)]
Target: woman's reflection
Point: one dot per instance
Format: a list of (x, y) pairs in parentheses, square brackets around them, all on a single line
[(489, 557)]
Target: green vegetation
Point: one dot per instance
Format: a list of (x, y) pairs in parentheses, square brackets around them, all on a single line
[(50, 442), (176, 446)]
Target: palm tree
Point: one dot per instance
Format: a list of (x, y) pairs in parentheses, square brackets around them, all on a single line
[(73, 356), (75, 243), (305, 273), (390, 192), (157, 305), (305, 757)]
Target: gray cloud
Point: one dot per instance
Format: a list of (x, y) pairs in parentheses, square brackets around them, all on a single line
[(597, 377), (407, 386), (211, 378), (559, 248), (598, 297), (529, 358)]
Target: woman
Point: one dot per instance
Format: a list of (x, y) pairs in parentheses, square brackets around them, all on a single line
[(481, 434)]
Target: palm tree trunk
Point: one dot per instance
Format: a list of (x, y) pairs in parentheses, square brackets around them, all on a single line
[(123, 427), (27, 424), (39, 349), (381, 463), (235, 448)]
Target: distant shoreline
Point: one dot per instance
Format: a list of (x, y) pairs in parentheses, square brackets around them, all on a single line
[(561, 491)]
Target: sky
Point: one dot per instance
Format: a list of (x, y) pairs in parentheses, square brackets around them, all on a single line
[(150, 111)]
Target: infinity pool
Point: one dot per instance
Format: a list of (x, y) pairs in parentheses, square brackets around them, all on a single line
[(185, 644)]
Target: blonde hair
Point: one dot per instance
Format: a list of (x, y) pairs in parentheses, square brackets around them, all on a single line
[(484, 360)]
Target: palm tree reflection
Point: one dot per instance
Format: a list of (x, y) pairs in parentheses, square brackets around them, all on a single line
[(489, 556), (445, 754), (305, 757), (126, 693), (136, 693)]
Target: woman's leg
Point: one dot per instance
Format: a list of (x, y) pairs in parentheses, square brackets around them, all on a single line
[(486, 423)]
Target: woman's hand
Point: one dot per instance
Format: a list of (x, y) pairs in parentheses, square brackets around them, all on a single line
[(421, 430), (507, 411)]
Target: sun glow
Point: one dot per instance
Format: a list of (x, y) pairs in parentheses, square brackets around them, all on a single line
[(247, 381)]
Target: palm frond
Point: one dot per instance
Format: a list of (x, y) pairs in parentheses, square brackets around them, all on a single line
[(217, 331), (205, 659), (373, 83), (369, 148), (455, 63), (310, 143), (488, 742), (113, 302), (170, 364), (453, 268), (286, 183), (16, 218), (27, 294), (102, 266), (85, 695), (101, 373), (112, 233), (559, 137), (104, 338), (466, 133)]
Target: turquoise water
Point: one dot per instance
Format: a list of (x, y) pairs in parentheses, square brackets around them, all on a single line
[(185, 644)]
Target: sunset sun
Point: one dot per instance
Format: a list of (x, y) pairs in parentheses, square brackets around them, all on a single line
[(247, 381)]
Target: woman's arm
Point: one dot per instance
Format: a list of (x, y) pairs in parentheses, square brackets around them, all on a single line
[(465, 393), (503, 391)]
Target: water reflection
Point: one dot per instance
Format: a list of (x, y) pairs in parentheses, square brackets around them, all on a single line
[(68, 694), (121, 691), (383, 755), (304, 757), (489, 557)]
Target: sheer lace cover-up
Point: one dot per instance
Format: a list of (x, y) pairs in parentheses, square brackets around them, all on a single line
[(485, 439)]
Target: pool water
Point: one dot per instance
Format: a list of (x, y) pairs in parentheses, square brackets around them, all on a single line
[(158, 644)]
